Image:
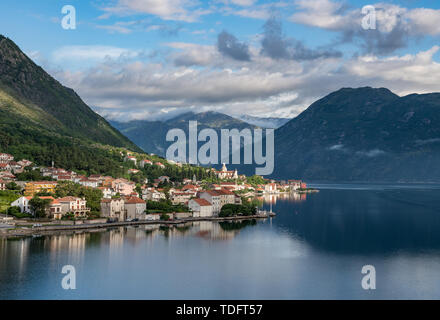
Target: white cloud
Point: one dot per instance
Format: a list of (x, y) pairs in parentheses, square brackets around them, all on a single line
[(260, 87), (178, 10), (93, 52), (332, 15)]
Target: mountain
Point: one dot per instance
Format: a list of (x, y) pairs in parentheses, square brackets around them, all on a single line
[(268, 123), (363, 134), (42, 120), (151, 135)]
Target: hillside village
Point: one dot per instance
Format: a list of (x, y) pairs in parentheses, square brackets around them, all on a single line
[(60, 194)]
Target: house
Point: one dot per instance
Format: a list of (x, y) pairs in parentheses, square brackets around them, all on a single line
[(107, 192), (113, 209), (270, 188), (294, 184), (23, 204), (15, 167), (135, 208), (89, 183), (214, 198), (181, 197), (6, 176), (33, 187), (152, 194), (201, 207), (5, 158), (123, 186), (161, 165), (225, 174), (226, 197), (5, 167), (25, 163), (130, 158), (74, 205), (190, 188), (2, 185), (143, 163), (53, 210)]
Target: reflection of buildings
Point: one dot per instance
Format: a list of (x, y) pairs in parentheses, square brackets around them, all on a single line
[(14, 255), (212, 230)]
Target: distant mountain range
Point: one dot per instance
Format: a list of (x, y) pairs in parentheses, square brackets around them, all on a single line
[(44, 121), (269, 123), (363, 134), (151, 135)]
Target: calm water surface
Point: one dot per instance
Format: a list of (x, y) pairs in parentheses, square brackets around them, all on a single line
[(314, 249)]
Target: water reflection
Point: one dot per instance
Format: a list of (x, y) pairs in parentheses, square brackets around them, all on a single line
[(364, 221), (314, 248)]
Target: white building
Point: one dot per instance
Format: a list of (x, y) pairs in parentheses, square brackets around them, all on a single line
[(201, 207), (213, 198)]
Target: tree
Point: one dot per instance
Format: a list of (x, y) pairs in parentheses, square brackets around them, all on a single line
[(12, 186), (39, 206)]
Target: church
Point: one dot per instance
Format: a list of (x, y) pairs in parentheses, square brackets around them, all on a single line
[(225, 174)]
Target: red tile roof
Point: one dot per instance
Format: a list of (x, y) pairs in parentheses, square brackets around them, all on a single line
[(202, 202), (134, 200)]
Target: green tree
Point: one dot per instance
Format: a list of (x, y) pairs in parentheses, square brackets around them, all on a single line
[(39, 206)]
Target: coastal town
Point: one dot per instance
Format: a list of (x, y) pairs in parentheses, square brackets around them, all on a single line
[(52, 198)]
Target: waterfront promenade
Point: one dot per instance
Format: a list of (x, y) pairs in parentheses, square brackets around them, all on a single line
[(28, 231)]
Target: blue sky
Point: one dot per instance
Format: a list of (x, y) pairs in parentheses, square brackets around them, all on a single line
[(147, 59)]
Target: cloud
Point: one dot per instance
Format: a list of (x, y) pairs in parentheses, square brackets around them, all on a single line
[(201, 78), (229, 45), (93, 52), (177, 10), (395, 25), (277, 46)]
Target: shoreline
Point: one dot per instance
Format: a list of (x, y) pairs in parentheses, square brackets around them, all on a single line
[(23, 232)]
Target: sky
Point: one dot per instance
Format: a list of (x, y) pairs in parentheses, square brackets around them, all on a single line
[(154, 59)]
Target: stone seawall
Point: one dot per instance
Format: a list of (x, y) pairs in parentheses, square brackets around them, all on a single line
[(17, 232)]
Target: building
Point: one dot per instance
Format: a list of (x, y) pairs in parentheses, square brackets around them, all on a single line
[(123, 186), (131, 158), (152, 194), (113, 209), (213, 198), (294, 184), (23, 204), (270, 188), (15, 167), (2, 185), (89, 183), (34, 187), (161, 165), (181, 197), (74, 205), (143, 163), (201, 207), (24, 163), (53, 210), (5, 167), (225, 174), (226, 197), (135, 208), (5, 158)]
